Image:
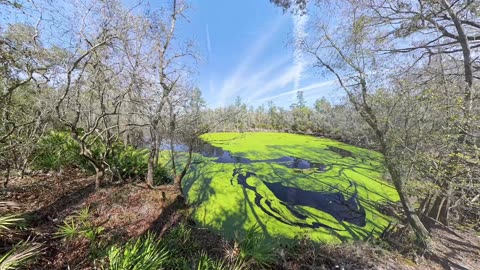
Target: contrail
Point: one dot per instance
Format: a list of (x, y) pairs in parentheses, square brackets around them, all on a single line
[(299, 22), (209, 44)]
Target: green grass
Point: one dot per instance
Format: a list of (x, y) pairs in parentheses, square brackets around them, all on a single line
[(145, 253), (229, 208)]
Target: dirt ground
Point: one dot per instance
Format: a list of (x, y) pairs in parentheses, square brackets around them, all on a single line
[(128, 210)]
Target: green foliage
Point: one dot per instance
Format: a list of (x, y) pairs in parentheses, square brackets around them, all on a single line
[(56, 151), (254, 248), (204, 261), (23, 252), (9, 221), (132, 163), (182, 245), (79, 225), (207, 263), (20, 255), (144, 253), (69, 230), (160, 176), (180, 236)]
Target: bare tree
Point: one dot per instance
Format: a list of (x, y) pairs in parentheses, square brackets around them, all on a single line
[(169, 70), (348, 56), (92, 93), (444, 32), (23, 64)]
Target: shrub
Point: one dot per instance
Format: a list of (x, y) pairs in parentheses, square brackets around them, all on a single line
[(8, 221), (56, 151), (23, 252), (132, 163), (144, 253), (206, 263), (79, 225), (256, 249), (180, 239), (182, 246), (161, 176)]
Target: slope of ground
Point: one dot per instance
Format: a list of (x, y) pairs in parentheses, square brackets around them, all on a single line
[(128, 210)]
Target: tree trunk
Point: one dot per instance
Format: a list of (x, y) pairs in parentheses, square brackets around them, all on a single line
[(179, 178), (157, 151), (421, 233), (424, 206), (7, 176), (445, 210), (151, 159), (151, 167), (440, 210), (99, 175), (172, 157), (436, 208)]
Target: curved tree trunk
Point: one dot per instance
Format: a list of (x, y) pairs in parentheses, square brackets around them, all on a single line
[(441, 207), (178, 179), (423, 210), (421, 232)]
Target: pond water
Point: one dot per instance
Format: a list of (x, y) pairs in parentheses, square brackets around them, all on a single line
[(333, 203), (224, 156), (288, 185)]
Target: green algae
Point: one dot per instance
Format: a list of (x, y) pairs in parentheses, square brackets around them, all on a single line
[(221, 204)]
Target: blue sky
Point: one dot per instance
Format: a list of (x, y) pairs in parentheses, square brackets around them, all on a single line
[(247, 50)]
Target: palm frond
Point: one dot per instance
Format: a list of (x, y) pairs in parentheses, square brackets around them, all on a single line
[(20, 255), (9, 221)]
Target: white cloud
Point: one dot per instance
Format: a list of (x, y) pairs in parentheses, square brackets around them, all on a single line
[(253, 83), (233, 84), (299, 23), (278, 82), (312, 87), (209, 43)]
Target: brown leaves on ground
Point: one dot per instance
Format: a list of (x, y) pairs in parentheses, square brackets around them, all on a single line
[(129, 210), (125, 211)]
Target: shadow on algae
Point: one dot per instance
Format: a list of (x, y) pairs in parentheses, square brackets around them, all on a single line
[(288, 185)]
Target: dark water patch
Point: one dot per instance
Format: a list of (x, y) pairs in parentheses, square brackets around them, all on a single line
[(342, 152), (270, 210), (334, 203), (223, 156)]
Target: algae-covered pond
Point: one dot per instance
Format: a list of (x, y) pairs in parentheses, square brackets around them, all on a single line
[(288, 186)]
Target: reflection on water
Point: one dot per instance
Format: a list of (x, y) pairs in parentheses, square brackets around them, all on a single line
[(223, 156), (332, 202)]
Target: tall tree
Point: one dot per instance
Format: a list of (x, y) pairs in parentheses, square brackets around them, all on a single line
[(170, 71), (345, 52)]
